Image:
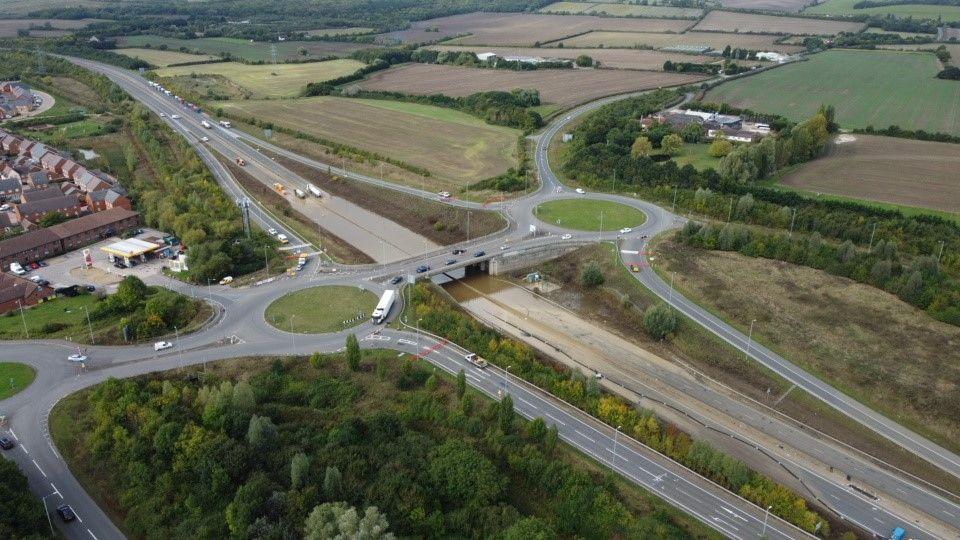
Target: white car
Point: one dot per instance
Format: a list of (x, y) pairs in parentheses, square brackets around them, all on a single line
[(625, 230), (161, 345), (204, 138), (17, 268), (77, 357), (227, 280), (36, 279), (580, 191), (175, 117), (272, 231), (566, 236), (163, 115), (4, 207)]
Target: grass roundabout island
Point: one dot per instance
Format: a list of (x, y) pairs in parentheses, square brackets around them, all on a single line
[(14, 377), (318, 310), (585, 214)]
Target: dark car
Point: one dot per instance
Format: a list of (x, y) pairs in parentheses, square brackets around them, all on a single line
[(480, 254), (459, 251), (43, 264), (396, 279), (451, 261), (66, 513), (422, 269), (43, 283), (6, 443), (90, 288)]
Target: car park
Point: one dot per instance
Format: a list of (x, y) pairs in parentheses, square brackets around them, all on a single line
[(162, 345), (77, 357), (6, 443), (66, 513)]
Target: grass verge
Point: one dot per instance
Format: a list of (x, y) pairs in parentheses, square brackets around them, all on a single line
[(298, 311), (14, 377), (589, 215)]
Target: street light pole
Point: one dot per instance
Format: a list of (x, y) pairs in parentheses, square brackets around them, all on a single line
[(23, 319), (765, 516), (601, 225), (179, 348), (749, 340), (506, 378), (616, 436), (89, 326), (418, 335), (47, 512), (293, 335)]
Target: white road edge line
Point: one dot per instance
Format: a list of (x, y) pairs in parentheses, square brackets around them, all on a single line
[(38, 468), (92, 535)]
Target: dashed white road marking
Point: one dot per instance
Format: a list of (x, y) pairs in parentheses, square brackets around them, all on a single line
[(527, 402), (584, 435), (38, 468), (24, 448), (561, 422), (55, 490), (91, 534)]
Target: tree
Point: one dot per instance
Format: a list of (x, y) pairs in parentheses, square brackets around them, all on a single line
[(672, 144), (461, 384), (247, 503), (641, 147), (591, 276), (51, 219), (584, 61), (691, 133), (131, 292), (462, 475), (720, 147), (338, 521), (21, 514), (506, 414), (316, 359), (913, 287), (660, 321), (353, 352), (529, 528), (299, 468), (332, 482), (262, 433)]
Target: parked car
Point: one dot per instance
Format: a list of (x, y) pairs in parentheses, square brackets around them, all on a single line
[(451, 261), (226, 280), (459, 251), (90, 288), (566, 236), (66, 513), (34, 266), (6, 443), (77, 357), (480, 254), (162, 345), (43, 283), (43, 264), (4, 207), (396, 279), (422, 268), (36, 279), (17, 269)]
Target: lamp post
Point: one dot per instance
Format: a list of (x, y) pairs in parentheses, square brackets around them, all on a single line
[(506, 380), (765, 516), (418, 334), (293, 335), (23, 319), (749, 339), (47, 512), (89, 325), (616, 436), (179, 348)]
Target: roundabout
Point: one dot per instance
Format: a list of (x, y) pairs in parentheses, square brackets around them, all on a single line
[(589, 215), (318, 310)]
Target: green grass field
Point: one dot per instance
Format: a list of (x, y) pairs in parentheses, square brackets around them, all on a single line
[(450, 144), (917, 11), (250, 51), (14, 377), (320, 309), (585, 215), (267, 80), (878, 88), (696, 155), (160, 58)]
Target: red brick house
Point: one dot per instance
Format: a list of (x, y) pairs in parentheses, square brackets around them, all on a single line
[(67, 205), (16, 292)]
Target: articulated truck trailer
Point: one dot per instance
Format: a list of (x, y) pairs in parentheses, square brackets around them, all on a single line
[(383, 307)]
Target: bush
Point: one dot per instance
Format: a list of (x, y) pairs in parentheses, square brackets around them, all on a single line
[(591, 276), (660, 321)]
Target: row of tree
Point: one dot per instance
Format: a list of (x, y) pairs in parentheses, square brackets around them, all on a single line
[(440, 317), (357, 445), (21, 514)]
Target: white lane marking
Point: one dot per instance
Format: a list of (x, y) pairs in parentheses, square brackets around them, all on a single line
[(878, 520), (14, 435), (24, 448), (55, 490), (732, 513), (949, 513), (78, 515), (584, 435), (92, 535), (561, 422), (38, 468), (527, 402), (720, 520)]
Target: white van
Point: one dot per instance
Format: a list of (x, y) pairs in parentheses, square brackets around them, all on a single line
[(17, 269)]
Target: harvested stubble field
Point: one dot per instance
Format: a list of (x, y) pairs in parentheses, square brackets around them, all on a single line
[(266, 80), (257, 51), (351, 31), (728, 21), (905, 92), (952, 48), (565, 87), (945, 12), (160, 58), (9, 27), (657, 40), (786, 6), (897, 171), (520, 29), (608, 58), (448, 143), (858, 338), (622, 10)]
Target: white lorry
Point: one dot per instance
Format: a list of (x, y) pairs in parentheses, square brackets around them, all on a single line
[(225, 123), (314, 190), (206, 124), (383, 306)]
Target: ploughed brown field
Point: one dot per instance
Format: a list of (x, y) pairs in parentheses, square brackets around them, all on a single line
[(899, 171), (563, 87), (523, 29), (608, 58), (728, 21), (658, 40)]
